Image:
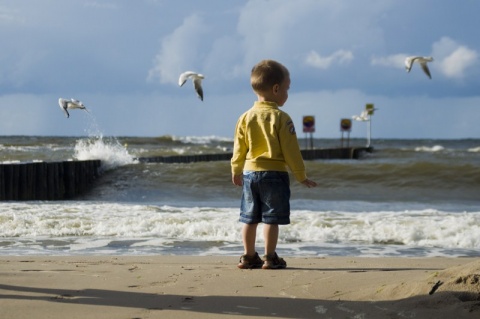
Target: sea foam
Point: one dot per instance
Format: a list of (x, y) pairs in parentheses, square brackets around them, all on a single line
[(436, 148), (109, 151), (136, 229)]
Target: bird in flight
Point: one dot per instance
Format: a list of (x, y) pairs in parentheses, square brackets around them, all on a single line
[(71, 104), (362, 117), (197, 81), (422, 60)]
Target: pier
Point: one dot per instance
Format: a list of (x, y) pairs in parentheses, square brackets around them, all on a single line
[(69, 179), (314, 154)]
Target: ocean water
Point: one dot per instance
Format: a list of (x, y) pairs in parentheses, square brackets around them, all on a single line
[(407, 198)]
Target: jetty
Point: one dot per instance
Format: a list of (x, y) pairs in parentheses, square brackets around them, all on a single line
[(47, 181), (69, 179), (312, 154)]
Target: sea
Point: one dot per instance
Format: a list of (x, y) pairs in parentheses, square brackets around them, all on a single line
[(407, 198)]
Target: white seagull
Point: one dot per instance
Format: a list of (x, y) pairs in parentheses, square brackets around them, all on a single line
[(362, 117), (422, 60), (197, 81), (71, 104)]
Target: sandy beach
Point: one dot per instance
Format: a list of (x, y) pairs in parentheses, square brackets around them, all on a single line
[(213, 287)]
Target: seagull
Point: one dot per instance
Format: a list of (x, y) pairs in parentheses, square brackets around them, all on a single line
[(422, 60), (71, 104), (362, 117), (197, 81)]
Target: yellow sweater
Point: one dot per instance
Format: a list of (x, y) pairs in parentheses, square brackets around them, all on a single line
[(265, 140)]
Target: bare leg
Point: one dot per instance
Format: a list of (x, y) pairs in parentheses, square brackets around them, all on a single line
[(270, 233), (249, 235)]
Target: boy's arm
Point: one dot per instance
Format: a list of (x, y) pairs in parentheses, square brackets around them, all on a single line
[(237, 180), (309, 183), (291, 149), (240, 150)]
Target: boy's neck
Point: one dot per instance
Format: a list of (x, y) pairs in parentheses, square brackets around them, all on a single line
[(264, 98)]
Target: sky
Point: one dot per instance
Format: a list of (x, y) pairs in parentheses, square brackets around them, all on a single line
[(123, 58)]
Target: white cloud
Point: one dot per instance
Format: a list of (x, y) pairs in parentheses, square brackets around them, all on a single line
[(292, 28), (450, 58), (179, 51), (269, 36), (222, 58), (454, 59), (458, 62), (395, 60), (324, 62)]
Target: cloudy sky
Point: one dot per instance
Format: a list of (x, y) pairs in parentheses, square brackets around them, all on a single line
[(122, 59)]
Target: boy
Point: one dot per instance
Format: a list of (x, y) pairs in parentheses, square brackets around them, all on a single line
[(265, 144)]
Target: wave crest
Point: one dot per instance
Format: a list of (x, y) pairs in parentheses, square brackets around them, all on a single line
[(111, 153)]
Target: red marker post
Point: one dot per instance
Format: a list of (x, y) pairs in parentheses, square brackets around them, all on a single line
[(309, 128), (346, 126)]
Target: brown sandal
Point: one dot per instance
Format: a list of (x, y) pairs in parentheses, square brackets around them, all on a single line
[(250, 262), (273, 262)]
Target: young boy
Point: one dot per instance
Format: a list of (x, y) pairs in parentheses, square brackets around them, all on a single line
[(265, 144)]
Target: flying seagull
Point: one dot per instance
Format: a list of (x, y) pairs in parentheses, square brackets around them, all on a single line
[(422, 60), (71, 104), (362, 117), (197, 81)]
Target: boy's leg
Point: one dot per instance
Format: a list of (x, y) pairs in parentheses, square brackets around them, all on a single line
[(270, 234), (249, 236), (271, 259), (250, 258)]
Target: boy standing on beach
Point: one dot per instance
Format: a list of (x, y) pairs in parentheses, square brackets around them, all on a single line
[(265, 144)]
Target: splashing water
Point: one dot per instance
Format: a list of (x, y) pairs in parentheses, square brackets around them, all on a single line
[(109, 151)]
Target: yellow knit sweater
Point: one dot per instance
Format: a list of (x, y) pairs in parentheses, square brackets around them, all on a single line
[(265, 140)]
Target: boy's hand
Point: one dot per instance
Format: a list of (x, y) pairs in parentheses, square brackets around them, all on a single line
[(309, 183), (237, 180)]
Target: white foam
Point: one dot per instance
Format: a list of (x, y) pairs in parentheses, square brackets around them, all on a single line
[(201, 139), (428, 228), (82, 226), (109, 151), (436, 148)]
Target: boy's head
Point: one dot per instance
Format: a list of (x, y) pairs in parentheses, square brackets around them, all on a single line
[(266, 74), (271, 80)]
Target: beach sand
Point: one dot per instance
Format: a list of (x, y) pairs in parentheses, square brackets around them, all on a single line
[(213, 287)]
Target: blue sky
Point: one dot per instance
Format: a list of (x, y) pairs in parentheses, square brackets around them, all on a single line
[(123, 58)]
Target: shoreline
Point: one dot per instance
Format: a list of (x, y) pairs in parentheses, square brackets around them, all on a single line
[(213, 287)]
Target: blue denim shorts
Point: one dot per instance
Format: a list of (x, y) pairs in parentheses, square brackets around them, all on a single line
[(265, 198)]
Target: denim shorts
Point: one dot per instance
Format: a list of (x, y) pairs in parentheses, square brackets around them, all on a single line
[(265, 198)]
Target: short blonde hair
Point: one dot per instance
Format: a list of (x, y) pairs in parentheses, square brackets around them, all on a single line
[(266, 73)]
